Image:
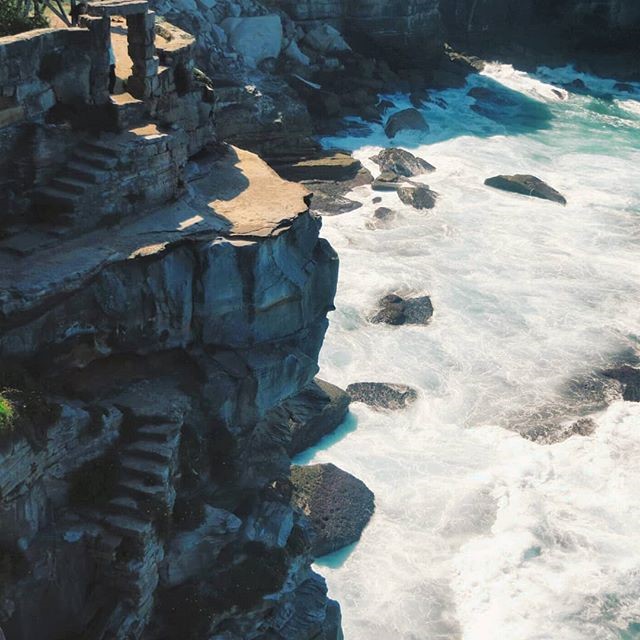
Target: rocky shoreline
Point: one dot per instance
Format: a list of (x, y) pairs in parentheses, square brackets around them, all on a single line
[(163, 374)]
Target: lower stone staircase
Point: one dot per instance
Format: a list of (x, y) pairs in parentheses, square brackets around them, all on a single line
[(129, 550), (89, 165)]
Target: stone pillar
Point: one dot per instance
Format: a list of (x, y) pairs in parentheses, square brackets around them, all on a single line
[(100, 28), (143, 82)]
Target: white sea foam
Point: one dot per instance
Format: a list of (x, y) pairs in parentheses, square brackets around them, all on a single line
[(479, 533)]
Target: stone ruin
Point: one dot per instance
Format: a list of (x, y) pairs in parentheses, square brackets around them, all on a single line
[(67, 146)]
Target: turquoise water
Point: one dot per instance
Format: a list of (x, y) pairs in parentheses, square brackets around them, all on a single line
[(480, 533)]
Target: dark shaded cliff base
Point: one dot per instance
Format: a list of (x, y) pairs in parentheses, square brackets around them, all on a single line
[(338, 505)]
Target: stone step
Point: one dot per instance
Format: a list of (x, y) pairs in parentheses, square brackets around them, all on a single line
[(127, 526), (157, 472), (84, 172), (125, 505), (94, 159), (136, 487), (99, 149), (56, 198), (70, 185), (166, 432), (152, 450)]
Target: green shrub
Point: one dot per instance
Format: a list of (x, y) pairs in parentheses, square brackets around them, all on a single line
[(13, 20), (7, 415)]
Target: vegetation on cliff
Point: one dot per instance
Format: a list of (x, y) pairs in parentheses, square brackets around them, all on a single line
[(13, 19)]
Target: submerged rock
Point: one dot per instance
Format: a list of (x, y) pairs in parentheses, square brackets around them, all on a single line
[(312, 414), (526, 185), (406, 120), (418, 196), (397, 310), (629, 377), (338, 505), (402, 163), (382, 395), (553, 433), (382, 217)]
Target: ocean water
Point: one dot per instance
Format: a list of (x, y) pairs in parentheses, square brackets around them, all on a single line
[(480, 533)]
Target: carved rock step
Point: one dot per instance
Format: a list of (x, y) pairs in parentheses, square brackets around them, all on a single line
[(152, 450), (145, 468), (95, 158), (137, 488), (168, 432), (70, 184), (126, 505), (81, 171), (127, 526), (55, 199)]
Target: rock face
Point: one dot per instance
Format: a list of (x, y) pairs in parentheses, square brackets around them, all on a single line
[(312, 414), (583, 23), (396, 310), (526, 185), (402, 163), (404, 31), (407, 120), (338, 505), (382, 395), (255, 38)]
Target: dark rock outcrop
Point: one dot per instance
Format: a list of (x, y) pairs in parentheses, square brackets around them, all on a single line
[(526, 185), (338, 505), (406, 120), (382, 395), (312, 414), (396, 310), (554, 433), (629, 378), (418, 196), (402, 163)]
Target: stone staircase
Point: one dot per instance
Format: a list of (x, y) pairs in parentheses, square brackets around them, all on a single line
[(127, 111), (63, 197), (129, 550)]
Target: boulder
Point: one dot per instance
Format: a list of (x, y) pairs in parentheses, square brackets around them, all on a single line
[(402, 163), (255, 38), (338, 505), (526, 185), (325, 39), (407, 120), (629, 378), (295, 55), (312, 414), (396, 310), (418, 196), (382, 395)]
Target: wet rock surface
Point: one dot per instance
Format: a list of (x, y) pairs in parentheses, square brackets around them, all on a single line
[(382, 395), (338, 505), (382, 218), (418, 196), (629, 378), (396, 310), (402, 163), (554, 433), (407, 120), (527, 185), (312, 414)]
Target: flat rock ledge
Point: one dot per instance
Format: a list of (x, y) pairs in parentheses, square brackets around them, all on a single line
[(526, 185), (338, 505), (396, 310), (382, 395)]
